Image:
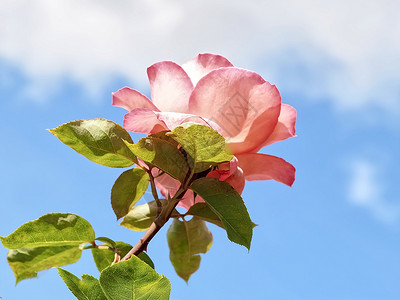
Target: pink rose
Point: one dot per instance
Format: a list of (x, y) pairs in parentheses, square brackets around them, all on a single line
[(209, 90)]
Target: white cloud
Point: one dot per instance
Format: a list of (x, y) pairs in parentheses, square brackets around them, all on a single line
[(345, 50), (366, 190)]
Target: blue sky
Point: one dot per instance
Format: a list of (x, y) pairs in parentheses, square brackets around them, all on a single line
[(333, 235)]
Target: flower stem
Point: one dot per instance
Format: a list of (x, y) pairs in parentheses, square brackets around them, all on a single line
[(165, 214), (158, 223), (154, 192)]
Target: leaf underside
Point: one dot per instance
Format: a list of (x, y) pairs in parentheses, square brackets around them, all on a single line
[(228, 205), (186, 240), (127, 190)]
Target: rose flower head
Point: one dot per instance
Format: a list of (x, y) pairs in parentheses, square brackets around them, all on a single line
[(209, 90)]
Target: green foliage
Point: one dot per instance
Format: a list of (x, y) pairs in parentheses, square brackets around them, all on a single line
[(86, 289), (227, 204), (134, 279), (143, 256), (127, 190), (25, 263), (186, 239), (54, 229), (53, 240), (204, 212), (204, 146), (141, 216), (57, 239), (104, 256), (100, 140), (106, 240), (162, 151)]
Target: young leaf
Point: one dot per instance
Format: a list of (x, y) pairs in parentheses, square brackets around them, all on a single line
[(54, 229), (25, 263), (127, 190), (162, 151), (140, 217), (100, 140), (134, 279), (204, 146), (203, 211), (227, 204), (104, 257), (106, 240), (86, 289), (186, 240)]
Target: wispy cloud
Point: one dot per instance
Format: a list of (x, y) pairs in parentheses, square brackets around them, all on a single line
[(367, 190), (345, 50)]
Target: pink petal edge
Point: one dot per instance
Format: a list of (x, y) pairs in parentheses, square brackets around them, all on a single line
[(257, 166), (147, 121), (170, 86), (203, 64), (143, 120), (236, 179), (285, 128), (131, 99)]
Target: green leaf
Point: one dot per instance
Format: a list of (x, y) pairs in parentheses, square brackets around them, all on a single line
[(25, 263), (162, 151), (204, 146), (143, 256), (106, 240), (134, 279), (203, 211), (128, 189), (100, 140), (227, 204), (86, 289), (54, 229), (140, 217), (104, 257), (186, 240), (53, 240)]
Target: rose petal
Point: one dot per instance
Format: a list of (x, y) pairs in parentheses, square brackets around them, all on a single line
[(165, 183), (172, 120), (236, 180), (170, 86), (130, 99), (168, 186), (285, 128), (143, 121), (188, 200), (202, 64), (241, 102), (227, 169), (257, 166), (147, 121)]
